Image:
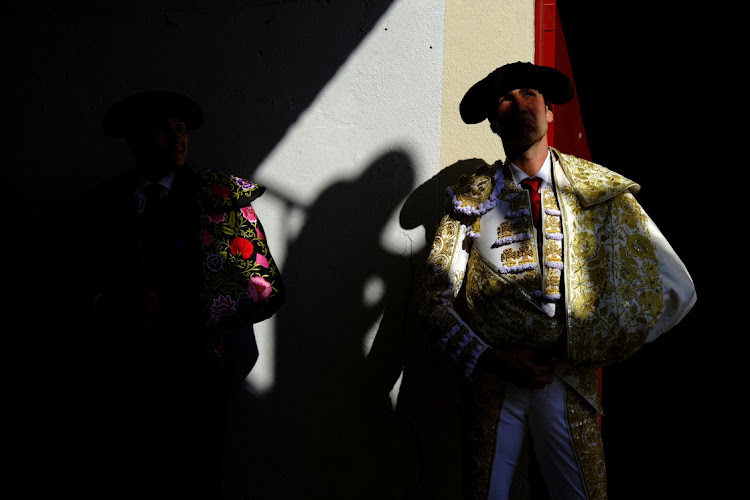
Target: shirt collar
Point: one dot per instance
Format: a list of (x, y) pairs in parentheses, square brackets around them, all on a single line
[(165, 181), (545, 173)]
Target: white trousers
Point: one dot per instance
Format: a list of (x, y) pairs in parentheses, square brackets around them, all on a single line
[(541, 413)]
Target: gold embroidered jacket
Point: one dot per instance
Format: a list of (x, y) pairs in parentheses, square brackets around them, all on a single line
[(617, 280)]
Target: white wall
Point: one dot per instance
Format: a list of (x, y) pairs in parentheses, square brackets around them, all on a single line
[(385, 98)]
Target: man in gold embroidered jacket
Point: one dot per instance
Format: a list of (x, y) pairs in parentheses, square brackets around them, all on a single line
[(529, 313)]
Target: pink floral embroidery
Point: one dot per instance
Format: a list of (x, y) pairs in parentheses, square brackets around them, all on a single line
[(259, 288), (260, 234), (249, 214), (261, 259), (217, 218)]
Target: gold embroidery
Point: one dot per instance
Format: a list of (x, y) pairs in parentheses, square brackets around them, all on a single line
[(517, 202), (552, 282), (518, 226), (472, 194), (593, 183), (548, 199), (517, 257), (529, 279), (587, 441), (553, 251), (550, 221), (511, 228), (501, 309), (610, 265), (475, 225)]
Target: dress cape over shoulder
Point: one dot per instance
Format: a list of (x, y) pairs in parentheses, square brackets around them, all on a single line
[(592, 183)]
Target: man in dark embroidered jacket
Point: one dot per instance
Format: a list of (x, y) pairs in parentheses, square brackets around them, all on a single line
[(530, 309), (175, 270)]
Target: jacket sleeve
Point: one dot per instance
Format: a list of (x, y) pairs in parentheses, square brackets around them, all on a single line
[(271, 275), (678, 287), (242, 281), (439, 295)]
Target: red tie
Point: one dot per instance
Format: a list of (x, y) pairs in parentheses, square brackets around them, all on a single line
[(532, 185)]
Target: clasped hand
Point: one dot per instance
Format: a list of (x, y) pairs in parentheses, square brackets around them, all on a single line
[(522, 367)]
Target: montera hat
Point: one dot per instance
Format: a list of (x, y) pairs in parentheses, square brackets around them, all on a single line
[(481, 98), (138, 109)]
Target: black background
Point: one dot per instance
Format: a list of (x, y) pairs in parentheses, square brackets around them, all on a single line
[(656, 96)]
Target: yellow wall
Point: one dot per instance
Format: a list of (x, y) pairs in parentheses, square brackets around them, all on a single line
[(479, 37)]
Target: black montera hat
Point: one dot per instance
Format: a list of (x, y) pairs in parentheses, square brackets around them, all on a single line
[(133, 111), (551, 83)]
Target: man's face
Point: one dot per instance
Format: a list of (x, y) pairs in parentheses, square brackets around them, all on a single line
[(522, 118), (160, 146)]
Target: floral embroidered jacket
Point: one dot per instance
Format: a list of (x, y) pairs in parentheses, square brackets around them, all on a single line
[(241, 283), (213, 267), (603, 262)]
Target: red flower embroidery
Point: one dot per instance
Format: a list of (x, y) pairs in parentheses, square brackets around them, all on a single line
[(222, 191), (242, 246)]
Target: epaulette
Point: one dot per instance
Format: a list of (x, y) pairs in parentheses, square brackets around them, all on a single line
[(220, 191), (474, 194)]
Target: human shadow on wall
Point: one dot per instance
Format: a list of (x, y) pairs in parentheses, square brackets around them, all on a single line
[(428, 388), (320, 433)]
